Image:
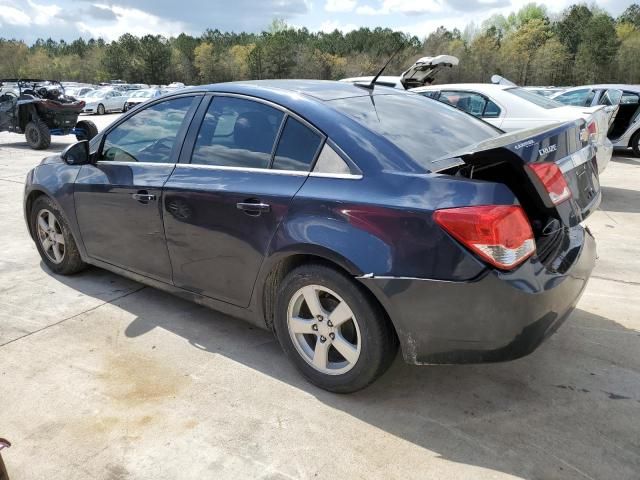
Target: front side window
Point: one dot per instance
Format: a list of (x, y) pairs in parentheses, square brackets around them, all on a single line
[(237, 133), (630, 98), (149, 135)]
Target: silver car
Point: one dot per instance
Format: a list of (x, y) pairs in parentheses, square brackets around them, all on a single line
[(624, 131)]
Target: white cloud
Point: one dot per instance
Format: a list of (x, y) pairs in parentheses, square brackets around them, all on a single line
[(340, 5), (408, 7), (13, 16), (31, 13), (134, 21), (331, 25)]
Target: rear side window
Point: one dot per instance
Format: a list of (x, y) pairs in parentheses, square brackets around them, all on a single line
[(430, 93), (472, 103), (425, 129), (237, 133), (297, 147)]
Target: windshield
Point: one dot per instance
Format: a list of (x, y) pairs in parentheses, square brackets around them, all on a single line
[(424, 128), (532, 97)]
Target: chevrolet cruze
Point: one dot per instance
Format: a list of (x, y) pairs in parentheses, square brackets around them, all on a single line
[(348, 220)]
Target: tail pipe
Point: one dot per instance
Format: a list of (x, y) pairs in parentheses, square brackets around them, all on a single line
[(3, 470)]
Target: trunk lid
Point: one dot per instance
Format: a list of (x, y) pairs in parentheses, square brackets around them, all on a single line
[(505, 158), (425, 69)]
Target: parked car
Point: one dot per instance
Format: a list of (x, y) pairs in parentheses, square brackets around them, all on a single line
[(347, 222), (78, 92), (39, 109), (422, 72), (105, 100), (625, 128), (141, 96), (513, 108)]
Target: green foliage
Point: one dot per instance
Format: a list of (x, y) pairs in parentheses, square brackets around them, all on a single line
[(582, 45)]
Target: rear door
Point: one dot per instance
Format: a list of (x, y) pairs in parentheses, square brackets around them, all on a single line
[(231, 189), (118, 199)]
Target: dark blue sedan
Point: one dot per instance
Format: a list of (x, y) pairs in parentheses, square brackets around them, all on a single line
[(347, 220)]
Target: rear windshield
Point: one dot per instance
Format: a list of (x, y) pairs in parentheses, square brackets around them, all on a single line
[(424, 128), (533, 97)]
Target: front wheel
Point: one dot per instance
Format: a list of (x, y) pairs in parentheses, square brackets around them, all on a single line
[(54, 239), (101, 109), (334, 333), (88, 127), (37, 134), (635, 143)]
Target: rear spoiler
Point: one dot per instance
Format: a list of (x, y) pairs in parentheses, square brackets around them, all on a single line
[(520, 142)]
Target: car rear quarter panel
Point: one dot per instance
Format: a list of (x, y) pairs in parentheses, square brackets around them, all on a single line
[(383, 224)]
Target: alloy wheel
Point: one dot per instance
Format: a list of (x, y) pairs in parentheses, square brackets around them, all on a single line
[(50, 236), (324, 330)]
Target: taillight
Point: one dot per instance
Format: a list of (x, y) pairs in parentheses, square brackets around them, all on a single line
[(553, 180), (500, 234), (592, 127)]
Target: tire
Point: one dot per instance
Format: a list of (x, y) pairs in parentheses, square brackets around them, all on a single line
[(69, 261), (37, 134), (372, 343), (100, 110), (89, 127), (635, 143)]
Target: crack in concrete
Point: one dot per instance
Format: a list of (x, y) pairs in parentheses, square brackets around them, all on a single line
[(626, 282), (73, 316)]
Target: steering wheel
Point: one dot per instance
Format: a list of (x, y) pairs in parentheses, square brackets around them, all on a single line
[(160, 148)]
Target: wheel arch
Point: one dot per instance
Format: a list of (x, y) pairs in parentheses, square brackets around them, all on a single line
[(280, 265)]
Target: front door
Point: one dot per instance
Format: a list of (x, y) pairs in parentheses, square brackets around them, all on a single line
[(222, 209), (118, 199)]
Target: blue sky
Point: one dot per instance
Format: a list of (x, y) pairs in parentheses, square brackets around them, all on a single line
[(69, 19)]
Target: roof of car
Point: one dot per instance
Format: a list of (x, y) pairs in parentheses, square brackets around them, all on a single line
[(458, 86), (324, 90), (620, 86)]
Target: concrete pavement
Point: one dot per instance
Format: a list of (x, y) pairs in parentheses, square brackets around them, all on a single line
[(103, 378)]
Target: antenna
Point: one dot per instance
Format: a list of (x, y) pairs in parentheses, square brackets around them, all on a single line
[(372, 84)]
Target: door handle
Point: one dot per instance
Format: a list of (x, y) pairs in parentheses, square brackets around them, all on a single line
[(143, 196), (253, 208)]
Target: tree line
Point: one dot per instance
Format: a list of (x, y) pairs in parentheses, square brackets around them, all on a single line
[(583, 44)]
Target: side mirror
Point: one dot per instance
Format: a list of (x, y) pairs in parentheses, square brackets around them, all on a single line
[(77, 154)]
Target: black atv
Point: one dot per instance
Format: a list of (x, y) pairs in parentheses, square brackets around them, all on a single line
[(39, 109)]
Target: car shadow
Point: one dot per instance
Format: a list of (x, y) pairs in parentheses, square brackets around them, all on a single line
[(626, 157), (548, 415), (53, 148), (615, 199)]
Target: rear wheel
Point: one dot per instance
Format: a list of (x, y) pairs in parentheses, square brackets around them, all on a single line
[(101, 109), (635, 143), (37, 134), (89, 128), (54, 240), (338, 337)]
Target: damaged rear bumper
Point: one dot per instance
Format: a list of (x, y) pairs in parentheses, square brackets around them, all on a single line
[(496, 317)]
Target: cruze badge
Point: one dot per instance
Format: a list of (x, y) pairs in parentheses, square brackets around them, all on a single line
[(528, 143), (547, 150)]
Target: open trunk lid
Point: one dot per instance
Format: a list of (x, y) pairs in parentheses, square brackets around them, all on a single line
[(508, 159), (425, 69)]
